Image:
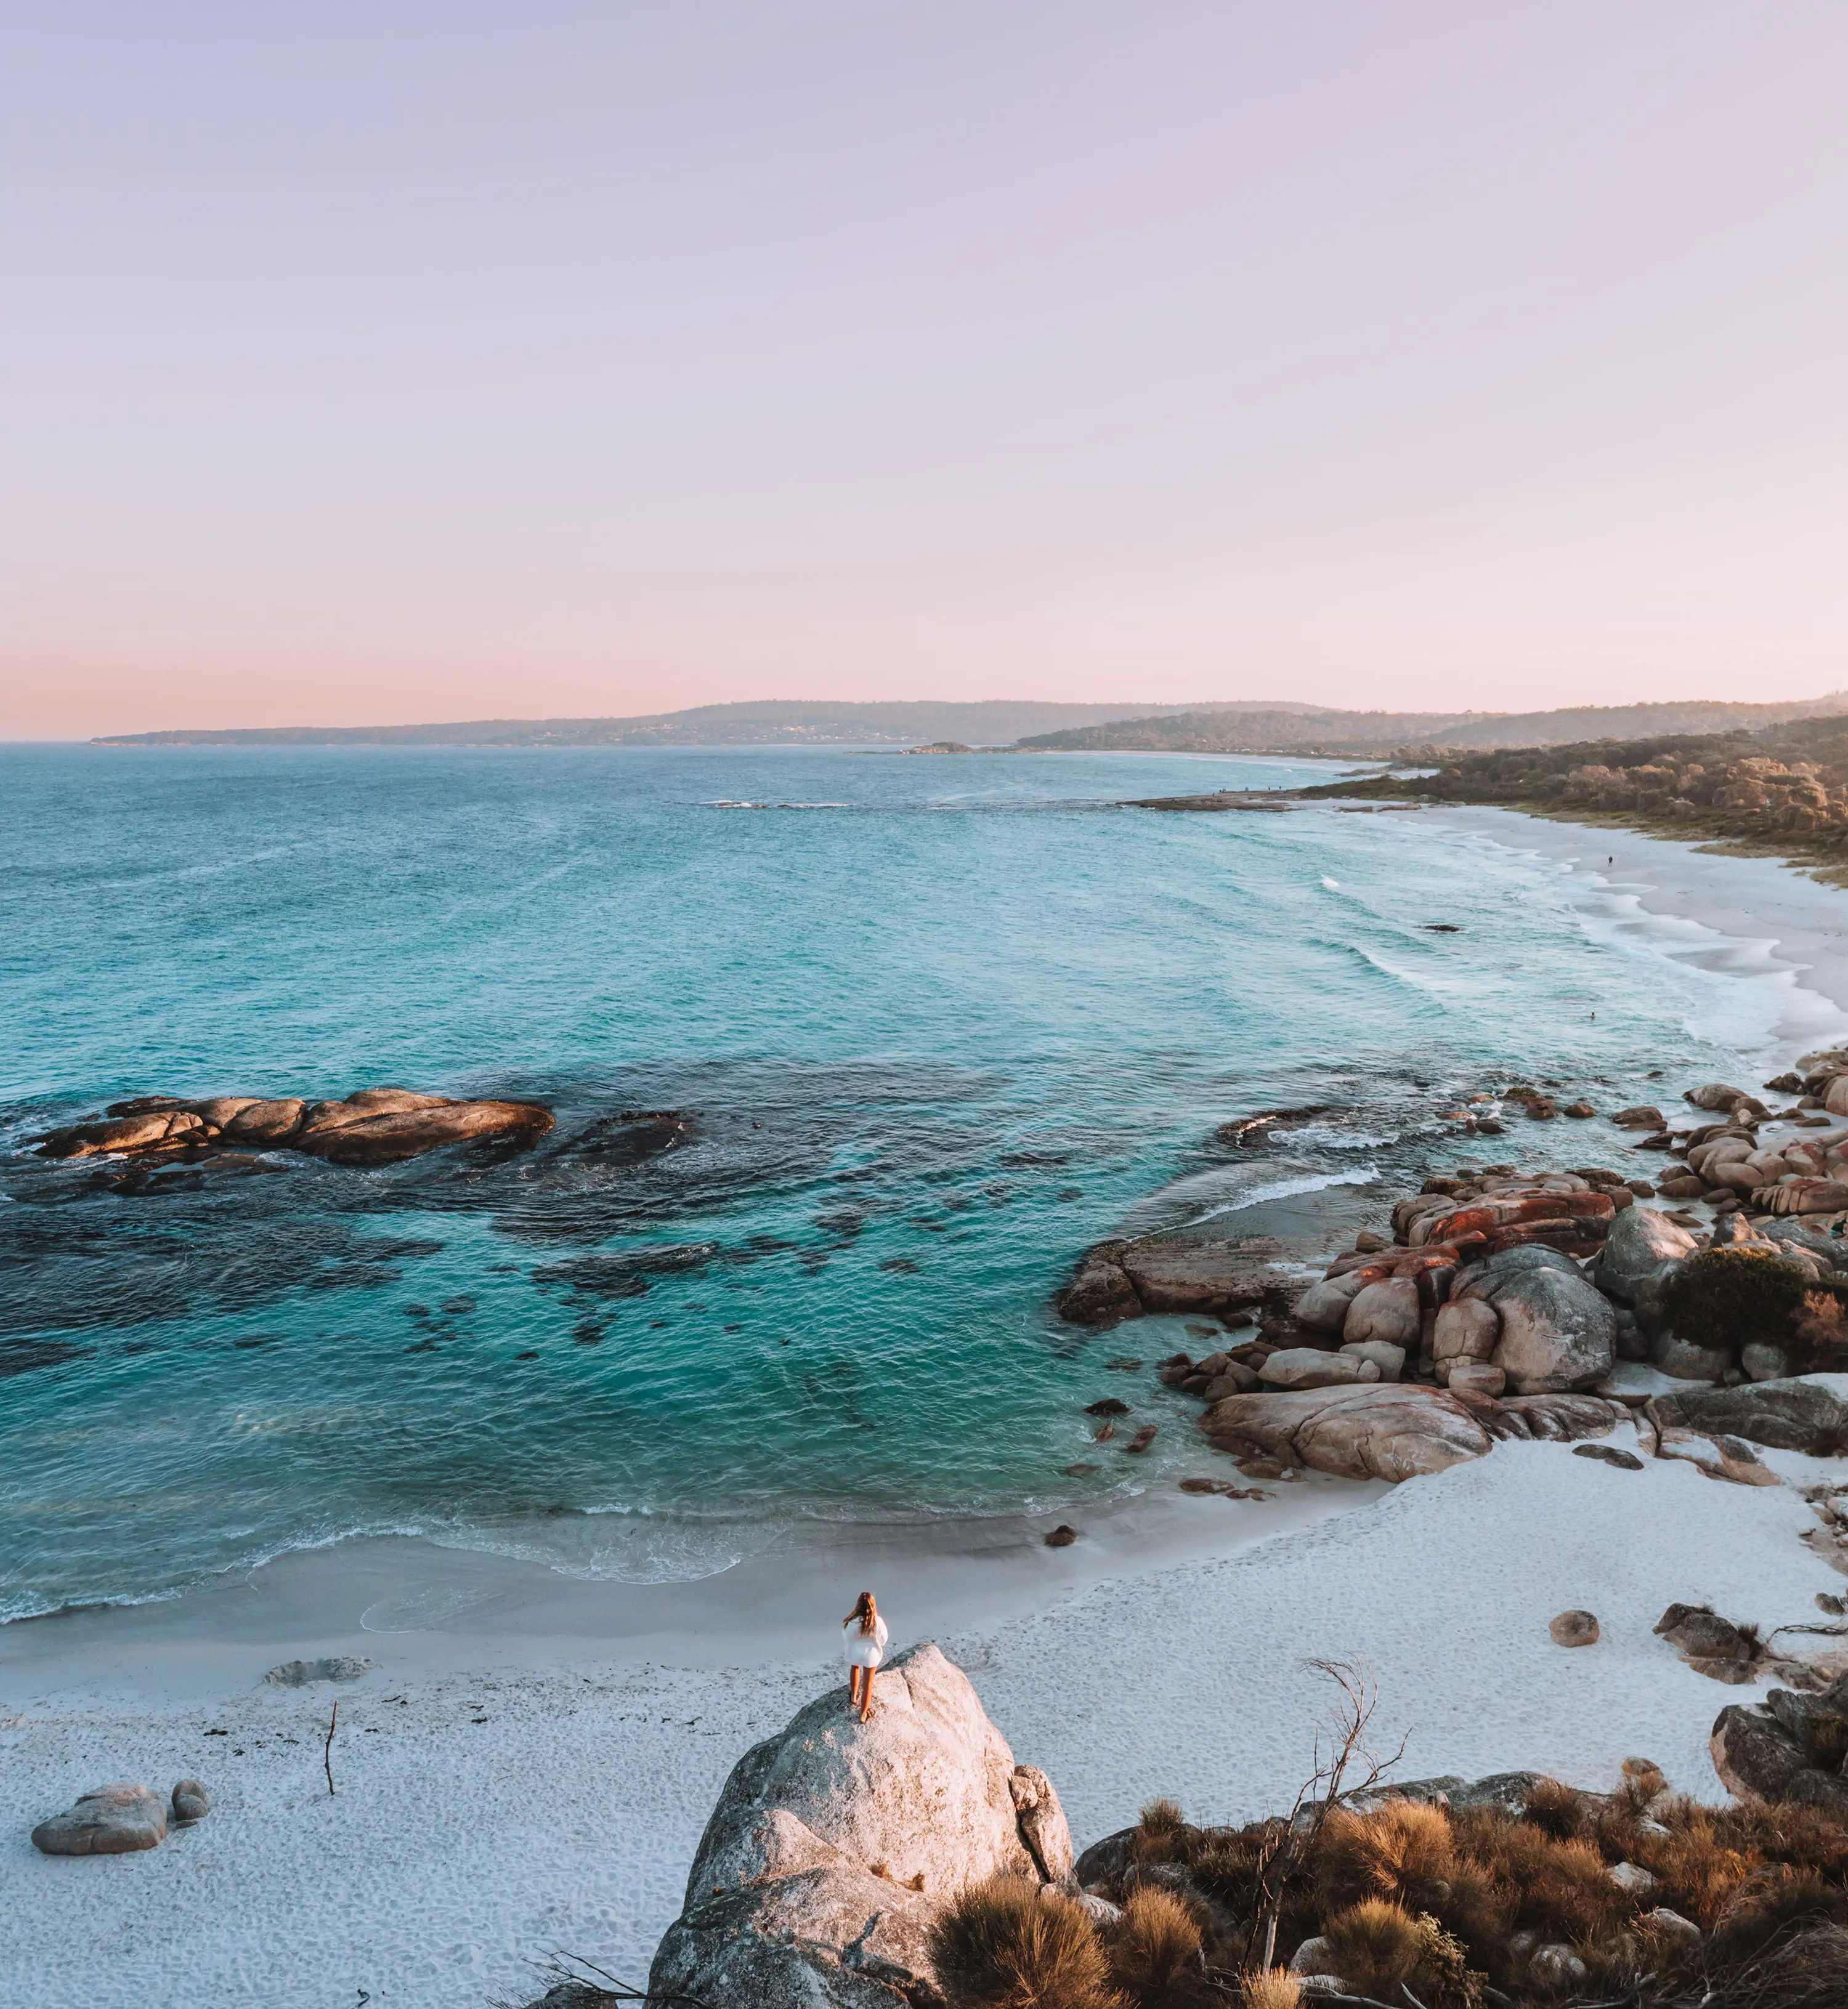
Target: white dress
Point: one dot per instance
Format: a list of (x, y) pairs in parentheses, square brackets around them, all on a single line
[(864, 1649)]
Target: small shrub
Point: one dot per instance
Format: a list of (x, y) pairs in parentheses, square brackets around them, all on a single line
[(1443, 1977), (1374, 1945), (1402, 1852), (1806, 1971), (1275, 1989), (1161, 1832), (1225, 1870), (1559, 1887), (1154, 1953), (1002, 1945), (1731, 1298), (1763, 1908), (1556, 1809)]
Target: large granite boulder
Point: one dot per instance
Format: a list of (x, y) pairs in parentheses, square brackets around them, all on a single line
[(1203, 1276), (143, 1133), (1557, 1331), (1808, 1412), (1120, 1280), (271, 1122), (1387, 1310), (113, 1820), (1384, 1429), (1555, 1418), (1308, 1367), (1641, 1242), (835, 1845), (381, 1137), (1789, 1749)]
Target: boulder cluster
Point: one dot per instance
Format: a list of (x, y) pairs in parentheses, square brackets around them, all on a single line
[(1500, 1307), (376, 1126)]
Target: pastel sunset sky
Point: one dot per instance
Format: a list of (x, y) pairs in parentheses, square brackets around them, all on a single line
[(369, 364)]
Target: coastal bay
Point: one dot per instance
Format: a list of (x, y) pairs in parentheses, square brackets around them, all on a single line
[(589, 1723)]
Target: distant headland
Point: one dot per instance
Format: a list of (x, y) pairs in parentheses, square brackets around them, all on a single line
[(1246, 726)]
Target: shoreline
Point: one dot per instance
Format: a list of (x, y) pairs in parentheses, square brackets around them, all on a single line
[(1765, 918), (487, 1816), (529, 1766)]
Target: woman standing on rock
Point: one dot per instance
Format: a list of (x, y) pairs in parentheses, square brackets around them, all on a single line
[(863, 1640)]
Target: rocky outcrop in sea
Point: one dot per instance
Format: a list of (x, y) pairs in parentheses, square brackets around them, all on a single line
[(377, 1126), (1502, 1302)]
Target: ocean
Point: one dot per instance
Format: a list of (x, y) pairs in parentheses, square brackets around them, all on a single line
[(930, 1027)]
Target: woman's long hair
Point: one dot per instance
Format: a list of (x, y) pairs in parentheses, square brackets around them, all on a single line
[(866, 1611)]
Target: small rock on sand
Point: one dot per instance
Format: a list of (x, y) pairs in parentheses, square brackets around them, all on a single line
[(1625, 1461), (1061, 1537), (191, 1800), (1574, 1629)]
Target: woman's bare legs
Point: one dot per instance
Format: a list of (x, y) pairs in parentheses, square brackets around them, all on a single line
[(866, 1695), (853, 1675)]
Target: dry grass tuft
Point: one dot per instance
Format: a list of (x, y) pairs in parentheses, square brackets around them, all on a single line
[(1162, 1834), (1806, 1972), (1002, 1945), (1465, 1896), (1374, 1945), (1557, 1810), (1402, 1852), (1154, 1953), (1276, 1988)]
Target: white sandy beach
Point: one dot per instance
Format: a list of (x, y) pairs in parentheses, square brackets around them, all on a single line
[(529, 1765)]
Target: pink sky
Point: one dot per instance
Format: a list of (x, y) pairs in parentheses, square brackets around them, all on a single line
[(384, 363)]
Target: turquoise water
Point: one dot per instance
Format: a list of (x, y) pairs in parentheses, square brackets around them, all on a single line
[(933, 1027)]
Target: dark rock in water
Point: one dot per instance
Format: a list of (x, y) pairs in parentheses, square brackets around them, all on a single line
[(1100, 1295), (1788, 1750), (626, 1275), (1808, 1414), (1107, 1405), (1243, 1131), (113, 1820), (22, 1356), (1142, 1440)]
